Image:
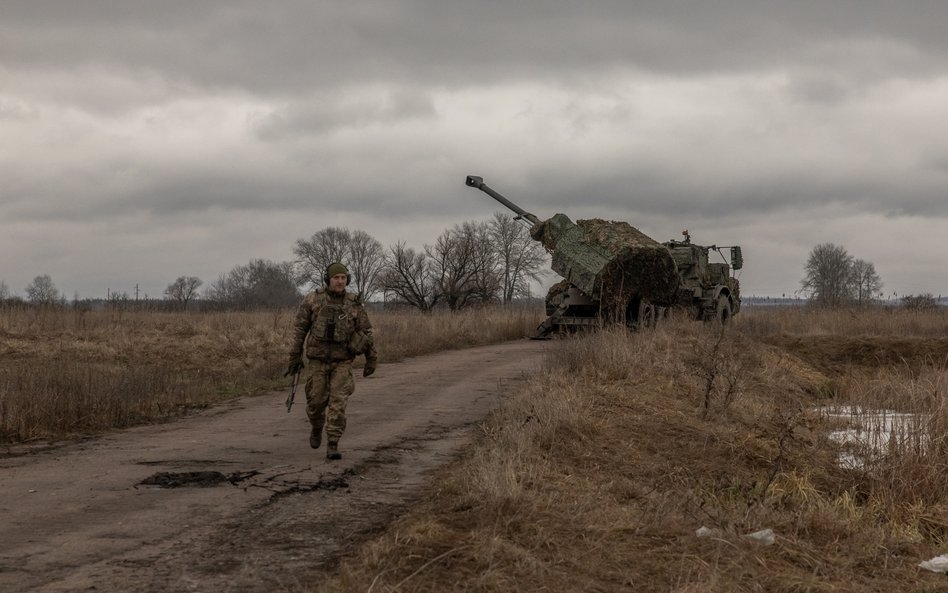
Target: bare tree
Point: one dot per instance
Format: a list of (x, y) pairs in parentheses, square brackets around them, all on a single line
[(833, 277), (866, 282), (520, 258), (4, 291), (184, 290), (117, 300), (465, 265), (42, 291), (828, 275), (468, 264), (365, 259), (407, 275), (313, 255), (259, 284), (360, 252)]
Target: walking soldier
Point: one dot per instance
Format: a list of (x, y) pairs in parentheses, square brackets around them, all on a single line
[(331, 328)]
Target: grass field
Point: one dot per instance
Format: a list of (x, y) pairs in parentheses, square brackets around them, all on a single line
[(599, 474), (629, 462), (65, 373)]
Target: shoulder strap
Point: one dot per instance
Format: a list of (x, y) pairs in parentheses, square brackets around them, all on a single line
[(319, 299)]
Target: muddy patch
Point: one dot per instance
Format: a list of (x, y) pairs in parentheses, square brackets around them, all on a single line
[(197, 479)]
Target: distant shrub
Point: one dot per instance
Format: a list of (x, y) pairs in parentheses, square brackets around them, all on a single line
[(920, 302)]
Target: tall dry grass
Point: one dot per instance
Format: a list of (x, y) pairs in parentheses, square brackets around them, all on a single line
[(856, 322), (65, 372), (597, 475)]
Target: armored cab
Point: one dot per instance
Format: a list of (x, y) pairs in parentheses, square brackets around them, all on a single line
[(707, 288), (612, 272)]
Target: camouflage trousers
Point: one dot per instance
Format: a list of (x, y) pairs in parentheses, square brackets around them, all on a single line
[(327, 392)]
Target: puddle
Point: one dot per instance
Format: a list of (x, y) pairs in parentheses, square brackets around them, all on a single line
[(873, 432), (187, 462), (198, 479)]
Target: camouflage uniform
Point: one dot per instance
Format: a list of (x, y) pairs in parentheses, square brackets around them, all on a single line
[(325, 324)]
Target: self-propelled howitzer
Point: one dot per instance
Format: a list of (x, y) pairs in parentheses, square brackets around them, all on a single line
[(612, 272)]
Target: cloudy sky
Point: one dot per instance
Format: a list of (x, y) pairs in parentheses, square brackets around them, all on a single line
[(142, 140)]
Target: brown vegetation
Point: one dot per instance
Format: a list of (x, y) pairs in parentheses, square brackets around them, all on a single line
[(632, 461), (65, 372), (600, 472)]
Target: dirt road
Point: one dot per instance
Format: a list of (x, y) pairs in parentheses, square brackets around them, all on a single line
[(273, 516)]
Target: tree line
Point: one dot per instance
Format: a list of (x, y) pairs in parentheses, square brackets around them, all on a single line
[(471, 263), (833, 278)]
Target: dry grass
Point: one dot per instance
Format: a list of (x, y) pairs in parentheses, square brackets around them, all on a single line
[(597, 474), (864, 322), (67, 372)]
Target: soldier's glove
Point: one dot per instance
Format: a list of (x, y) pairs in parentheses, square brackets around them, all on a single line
[(369, 366), (295, 367)]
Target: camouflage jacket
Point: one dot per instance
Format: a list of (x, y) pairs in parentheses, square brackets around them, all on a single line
[(325, 324)]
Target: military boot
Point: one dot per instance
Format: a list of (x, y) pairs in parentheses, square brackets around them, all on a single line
[(316, 437), (332, 450)]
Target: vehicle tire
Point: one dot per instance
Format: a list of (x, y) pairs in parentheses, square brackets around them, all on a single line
[(648, 314), (723, 310), (641, 315)]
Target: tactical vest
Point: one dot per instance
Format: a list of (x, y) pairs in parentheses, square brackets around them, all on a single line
[(334, 322), (333, 325)]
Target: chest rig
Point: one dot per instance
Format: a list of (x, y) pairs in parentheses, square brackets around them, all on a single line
[(333, 322)]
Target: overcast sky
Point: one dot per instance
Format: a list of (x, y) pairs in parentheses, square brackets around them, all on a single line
[(141, 140)]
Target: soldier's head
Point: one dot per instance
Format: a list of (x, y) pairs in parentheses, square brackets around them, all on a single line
[(336, 277)]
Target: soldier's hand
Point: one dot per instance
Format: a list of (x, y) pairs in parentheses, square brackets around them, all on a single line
[(369, 367), (295, 367)]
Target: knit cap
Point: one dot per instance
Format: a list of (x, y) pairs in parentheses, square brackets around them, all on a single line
[(334, 269)]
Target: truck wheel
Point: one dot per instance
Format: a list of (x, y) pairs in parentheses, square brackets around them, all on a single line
[(642, 315), (648, 314), (723, 311)]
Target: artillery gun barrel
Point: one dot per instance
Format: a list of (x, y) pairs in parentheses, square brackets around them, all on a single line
[(611, 263), (478, 182)]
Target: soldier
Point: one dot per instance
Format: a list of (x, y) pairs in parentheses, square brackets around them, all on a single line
[(338, 330)]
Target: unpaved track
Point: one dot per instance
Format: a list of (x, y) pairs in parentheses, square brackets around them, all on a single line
[(74, 518)]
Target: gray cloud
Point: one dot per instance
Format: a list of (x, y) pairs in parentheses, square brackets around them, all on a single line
[(193, 122), (320, 115), (310, 45)]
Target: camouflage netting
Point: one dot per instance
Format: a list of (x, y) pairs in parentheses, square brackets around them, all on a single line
[(553, 294), (639, 265), (609, 261)]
